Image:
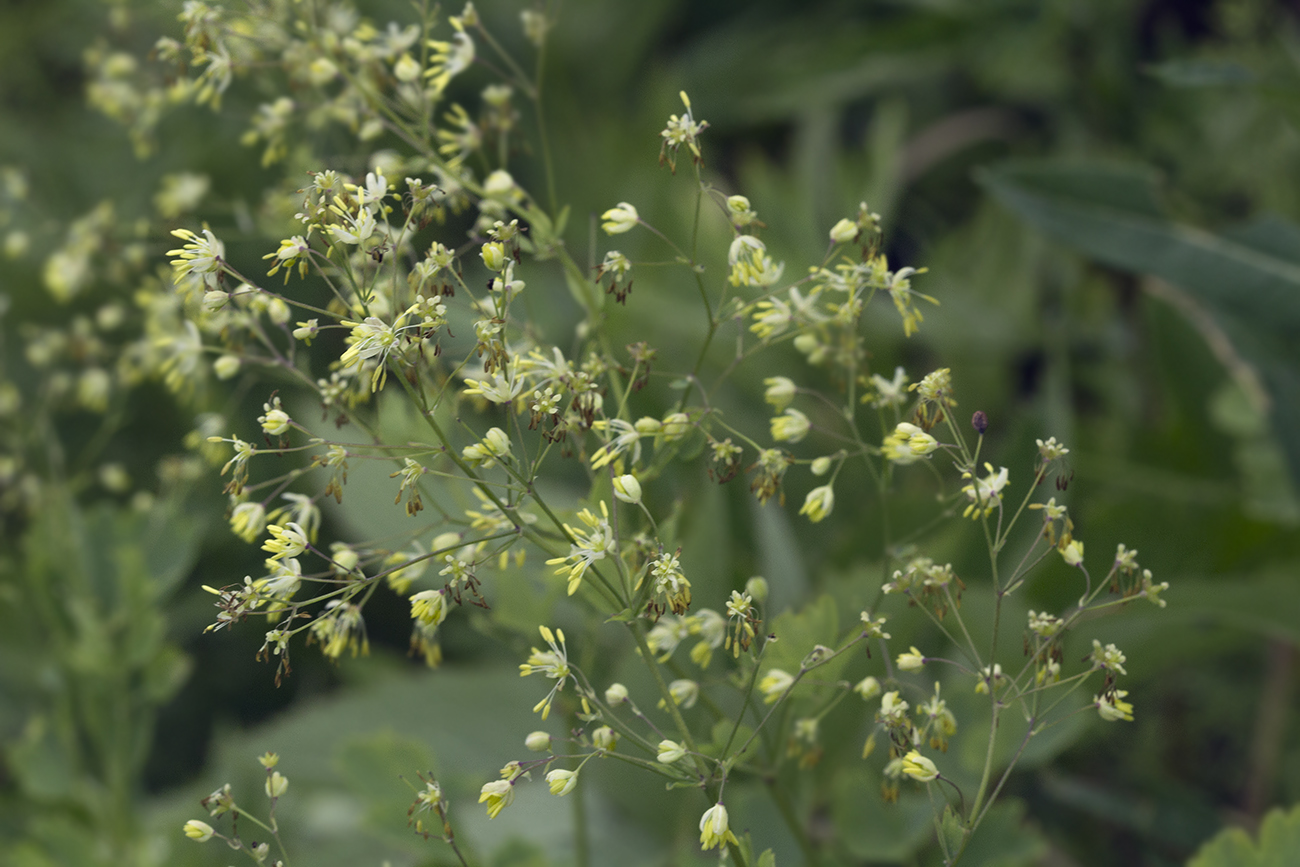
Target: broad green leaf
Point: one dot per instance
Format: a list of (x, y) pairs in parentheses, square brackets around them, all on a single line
[(1278, 844), (873, 830), (798, 633)]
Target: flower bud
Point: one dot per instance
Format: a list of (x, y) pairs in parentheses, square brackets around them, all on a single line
[(604, 738), (980, 422), (675, 426), (493, 255), (780, 391), (226, 366), (792, 426), (821, 466), (844, 231), (276, 784), (406, 69), (627, 489), (756, 587), (538, 742), (647, 426), (199, 832), (621, 219), (562, 782), (615, 694), (670, 751), (913, 660)]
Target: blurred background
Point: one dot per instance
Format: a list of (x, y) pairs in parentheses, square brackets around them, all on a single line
[(1106, 194)]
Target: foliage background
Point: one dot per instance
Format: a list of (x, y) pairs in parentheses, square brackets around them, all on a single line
[(813, 108)]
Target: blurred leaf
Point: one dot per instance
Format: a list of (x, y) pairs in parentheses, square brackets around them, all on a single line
[(1201, 73), (1108, 212), (1005, 839), (41, 765), (465, 723), (797, 634), (873, 830), (1277, 846), (953, 830), (381, 768)]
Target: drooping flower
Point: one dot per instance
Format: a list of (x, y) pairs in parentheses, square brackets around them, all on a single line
[(1071, 551), (819, 503), (586, 548), (1112, 708), (792, 426), (713, 827), (498, 795), (199, 832), (429, 607), (202, 257), (562, 782), (288, 540), (918, 767), (780, 391), (618, 220), (774, 684), (554, 663), (913, 660), (669, 752), (908, 444)]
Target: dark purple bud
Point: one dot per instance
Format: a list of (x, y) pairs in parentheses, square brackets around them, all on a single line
[(980, 422)]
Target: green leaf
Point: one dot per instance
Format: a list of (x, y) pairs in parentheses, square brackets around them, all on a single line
[(1109, 213), (797, 634), (767, 859), (953, 829), (1278, 843), (1004, 839), (1246, 283), (873, 830)]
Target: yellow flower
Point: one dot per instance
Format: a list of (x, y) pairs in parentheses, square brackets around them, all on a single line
[(918, 767), (562, 782), (713, 827), (287, 541), (986, 493), (429, 607), (792, 426), (819, 503), (554, 663), (868, 688), (620, 219), (908, 444), (199, 832), (248, 520), (780, 391), (276, 784), (670, 751), (774, 684), (911, 661), (498, 795), (1112, 708)]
